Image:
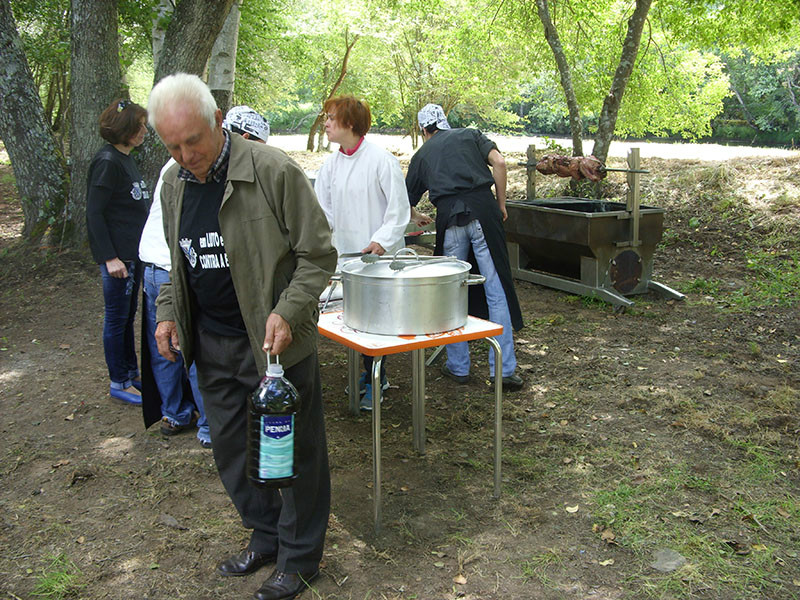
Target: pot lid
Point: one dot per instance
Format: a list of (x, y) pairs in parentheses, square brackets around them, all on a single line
[(408, 268)]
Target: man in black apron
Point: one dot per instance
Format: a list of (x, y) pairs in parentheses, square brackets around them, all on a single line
[(453, 167)]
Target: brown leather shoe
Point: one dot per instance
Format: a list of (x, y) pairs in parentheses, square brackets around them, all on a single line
[(168, 428), (244, 563), (284, 586)]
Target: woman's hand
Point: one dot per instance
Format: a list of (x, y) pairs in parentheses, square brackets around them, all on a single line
[(420, 219), (374, 248), (116, 268)]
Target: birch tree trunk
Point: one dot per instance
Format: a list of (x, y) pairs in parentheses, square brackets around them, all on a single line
[(627, 60), (96, 79), (551, 35), (39, 168), (222, 63), (161, 20)]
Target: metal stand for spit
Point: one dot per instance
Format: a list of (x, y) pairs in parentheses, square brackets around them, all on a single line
[(611, 260)]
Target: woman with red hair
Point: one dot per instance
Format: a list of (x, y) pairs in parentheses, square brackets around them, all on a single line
[(362, 191)]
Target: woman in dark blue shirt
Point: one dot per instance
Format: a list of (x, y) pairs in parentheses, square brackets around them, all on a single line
[(117, 203)]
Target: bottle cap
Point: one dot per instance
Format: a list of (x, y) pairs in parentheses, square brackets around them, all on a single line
[(274, 369)]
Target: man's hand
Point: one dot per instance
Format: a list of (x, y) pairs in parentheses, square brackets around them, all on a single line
[(498, 164), (116, 268), (278, 334), (374, 248), (167, 340)]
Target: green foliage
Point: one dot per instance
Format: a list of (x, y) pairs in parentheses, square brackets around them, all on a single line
[(701, 285), (766, 97), (266, 74), (61, 579), (135, 30), (488, 64), (673, 90), (677, 94), (140, 78), (655, 514), (762, 27), (775, 281)]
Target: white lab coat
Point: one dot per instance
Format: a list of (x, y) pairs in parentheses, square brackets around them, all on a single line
[(364, 199)]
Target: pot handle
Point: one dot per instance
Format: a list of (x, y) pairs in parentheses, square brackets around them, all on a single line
[(335, 278), (405, 250), (474, 279)]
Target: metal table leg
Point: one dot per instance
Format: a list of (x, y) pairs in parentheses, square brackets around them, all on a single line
[(352, 380), (376, 440), (498, 413), (418, 399)]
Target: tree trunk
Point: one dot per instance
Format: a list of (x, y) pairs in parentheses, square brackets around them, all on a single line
[(551, 35), (348, 47), (222, 64), (187, 45), (745, 111), (190, 36), (39, 168), (630, 50), (96, 81), (160, 22)]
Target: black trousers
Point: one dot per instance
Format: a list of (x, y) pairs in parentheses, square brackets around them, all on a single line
[(293, 520), (368, 360)]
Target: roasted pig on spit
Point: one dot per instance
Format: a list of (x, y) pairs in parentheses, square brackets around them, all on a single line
[(577, 167)]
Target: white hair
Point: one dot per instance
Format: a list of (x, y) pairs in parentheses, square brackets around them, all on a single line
[(181, 88)]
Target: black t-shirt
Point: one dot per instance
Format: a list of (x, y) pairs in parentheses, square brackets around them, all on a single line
[(206, 262), (117, 204), (453, 161)]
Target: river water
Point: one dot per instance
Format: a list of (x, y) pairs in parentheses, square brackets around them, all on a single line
[(401, 145)]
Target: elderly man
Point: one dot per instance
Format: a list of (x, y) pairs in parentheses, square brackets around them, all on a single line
[(251, 252), (453, 167), (170, 392)]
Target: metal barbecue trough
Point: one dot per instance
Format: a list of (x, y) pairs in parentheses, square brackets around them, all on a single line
[(588, 247)]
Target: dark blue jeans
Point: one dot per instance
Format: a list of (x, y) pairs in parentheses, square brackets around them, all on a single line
[(170, 376), (120, 297)]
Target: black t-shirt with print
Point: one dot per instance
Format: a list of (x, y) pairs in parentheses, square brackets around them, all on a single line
[(117, 204), (206, 262)]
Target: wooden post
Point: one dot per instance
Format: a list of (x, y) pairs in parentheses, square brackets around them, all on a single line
[(530, 187), (634, 197)]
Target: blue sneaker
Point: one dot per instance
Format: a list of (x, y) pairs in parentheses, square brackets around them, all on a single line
[(362, 384), (366, 400), (125, 396)]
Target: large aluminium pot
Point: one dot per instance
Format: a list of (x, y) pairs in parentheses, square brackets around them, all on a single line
[(406, 295)]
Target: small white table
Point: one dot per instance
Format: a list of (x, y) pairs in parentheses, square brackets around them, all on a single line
[(331, 325)]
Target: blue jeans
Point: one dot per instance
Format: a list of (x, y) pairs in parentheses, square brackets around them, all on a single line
[(120, 296), (170, 376), (457, 241)]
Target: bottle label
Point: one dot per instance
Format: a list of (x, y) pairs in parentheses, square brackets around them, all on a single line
[(276, 457)]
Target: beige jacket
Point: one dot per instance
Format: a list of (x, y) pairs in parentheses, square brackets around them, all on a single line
[(278, 244)]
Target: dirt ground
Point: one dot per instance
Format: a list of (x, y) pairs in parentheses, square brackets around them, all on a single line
[(692, 392)]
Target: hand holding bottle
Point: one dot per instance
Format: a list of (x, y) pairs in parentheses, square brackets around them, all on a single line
[(278, 335)]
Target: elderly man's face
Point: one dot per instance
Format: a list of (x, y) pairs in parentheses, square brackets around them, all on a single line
[(189, 139)]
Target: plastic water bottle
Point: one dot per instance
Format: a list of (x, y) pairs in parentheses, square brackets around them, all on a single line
[(270, 441)]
